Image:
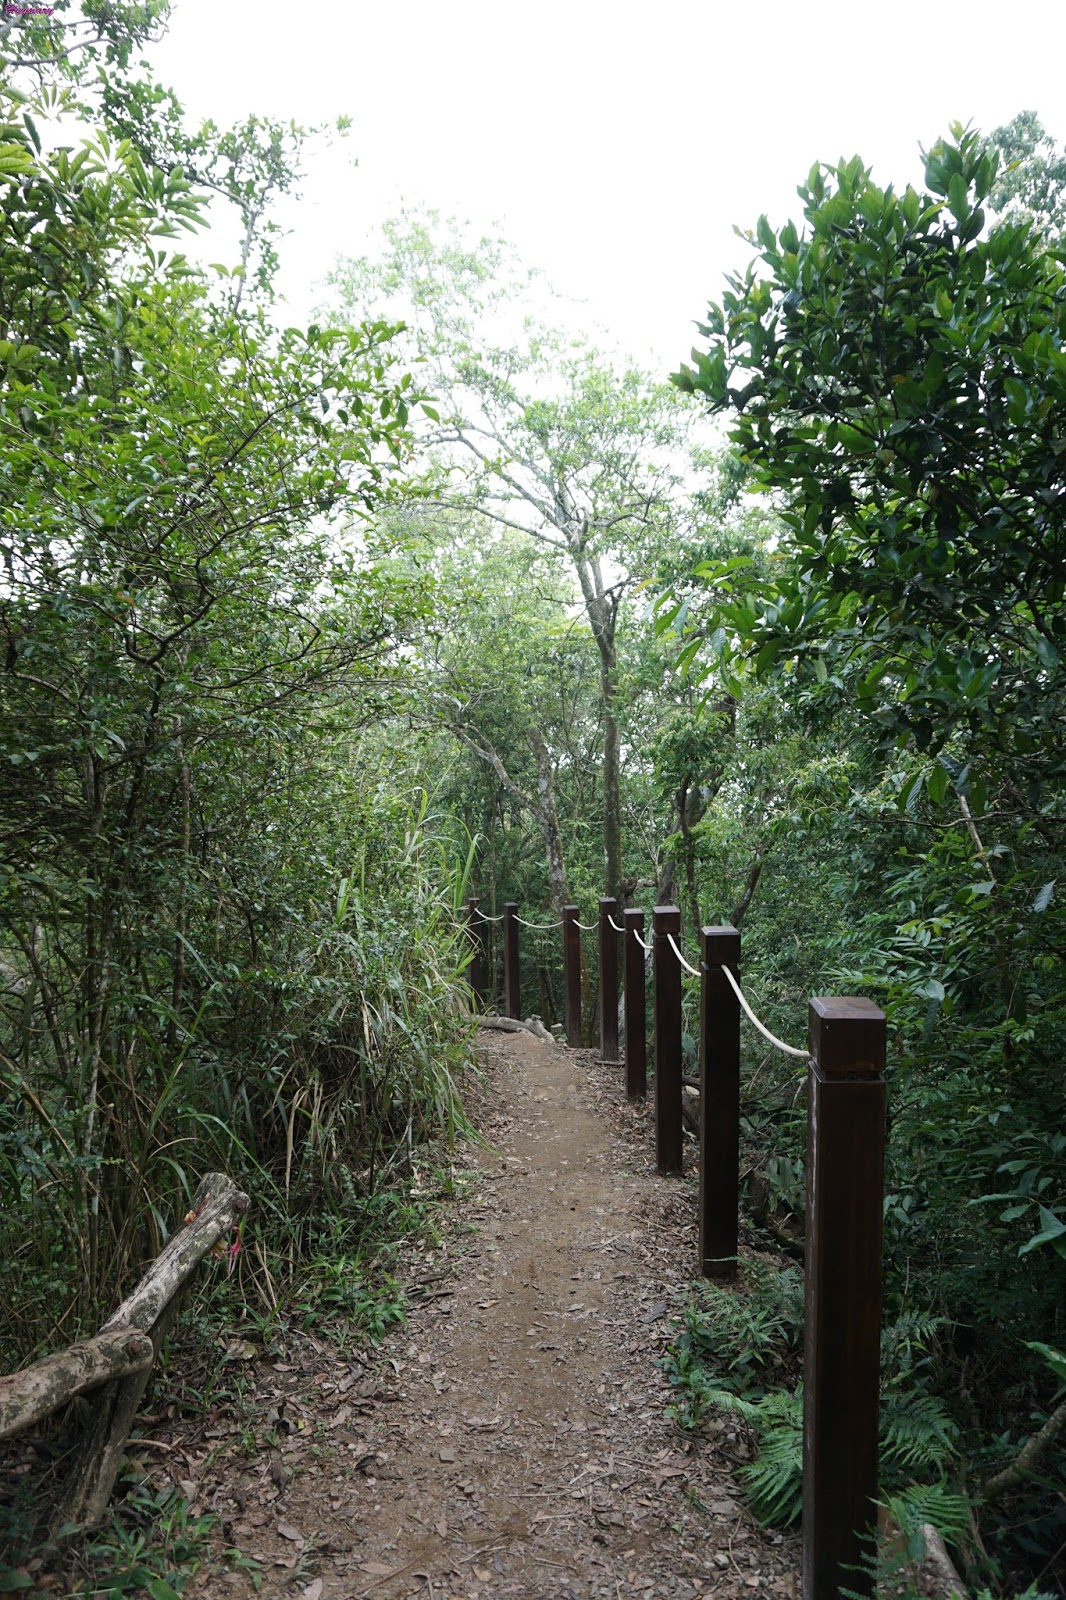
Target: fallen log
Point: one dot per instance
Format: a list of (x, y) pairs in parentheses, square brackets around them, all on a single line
[(937, 1567), (1029, 1456), (150, 1311), (38, 1390), (531, 1025), (932, 1573), (217, 1207)]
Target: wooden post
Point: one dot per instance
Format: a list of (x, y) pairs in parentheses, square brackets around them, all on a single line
[(842, 1335), (719, 1103), (608, 981), (477, 929), (636, 1006), (512, 976), (666, 973), (572, 974)]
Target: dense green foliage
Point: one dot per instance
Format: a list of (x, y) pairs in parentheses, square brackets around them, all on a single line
[(895, 374), (738, 1352), (228, 936)]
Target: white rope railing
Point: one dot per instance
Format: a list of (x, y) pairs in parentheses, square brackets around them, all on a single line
[(789, 1049), (640, 941), (695, 971), (486, 918), (538, 927), (587, 927), (614, 924)]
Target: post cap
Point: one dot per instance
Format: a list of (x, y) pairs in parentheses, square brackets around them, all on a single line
[(847, 1036), (720, 945), (667, 919)]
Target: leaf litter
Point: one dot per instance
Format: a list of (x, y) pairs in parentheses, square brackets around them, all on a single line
[(512, 1441)]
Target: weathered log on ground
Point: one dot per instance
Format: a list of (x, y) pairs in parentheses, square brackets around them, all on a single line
[(216, 1209), (933, 1573), (1029, 1456), (151, 1309), (764, 1214), (938, 1569), (38, 1390), (531, 1025)]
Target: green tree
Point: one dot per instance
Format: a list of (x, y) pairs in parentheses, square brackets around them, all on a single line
[(193, 645), (898, 380), (1031, 181), (895, 373), (505, 669), (541, 433)]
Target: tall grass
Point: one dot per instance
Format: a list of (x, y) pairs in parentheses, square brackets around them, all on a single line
[(320, 1029)]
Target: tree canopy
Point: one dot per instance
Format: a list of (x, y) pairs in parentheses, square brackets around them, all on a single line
[(899, 384)]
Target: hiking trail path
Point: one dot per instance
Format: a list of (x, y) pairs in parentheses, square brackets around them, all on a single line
[(513, 1440)]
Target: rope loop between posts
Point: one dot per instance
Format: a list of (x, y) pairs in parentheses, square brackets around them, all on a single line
[(486, 918), (640, 941), (587, 927), (614, 924), (538, 927), (695, 971), (789, 1049)]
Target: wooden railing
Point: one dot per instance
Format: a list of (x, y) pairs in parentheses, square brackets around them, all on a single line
[(845, 1165), (117, 1362)]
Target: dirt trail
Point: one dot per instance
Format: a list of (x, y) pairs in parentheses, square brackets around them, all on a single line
[(513, 1442)]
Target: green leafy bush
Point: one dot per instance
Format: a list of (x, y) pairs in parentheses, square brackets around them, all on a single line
[(738, 1351)]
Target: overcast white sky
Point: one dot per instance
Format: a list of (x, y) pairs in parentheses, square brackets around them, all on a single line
[(616, 145)]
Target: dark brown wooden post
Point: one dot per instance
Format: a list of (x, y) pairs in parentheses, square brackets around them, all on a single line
[(608, 980), (842, 1336), (666, 975), (512, 976), (636, 1005), (572, 975), (719, 1102), (477, 928)]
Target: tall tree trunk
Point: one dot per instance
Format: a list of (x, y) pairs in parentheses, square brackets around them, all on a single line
[(601, 608), (612, 791), (548, 817), (667, 887), (542, 808), (689, 811), (177, 985), (754, 874), (690, 803)]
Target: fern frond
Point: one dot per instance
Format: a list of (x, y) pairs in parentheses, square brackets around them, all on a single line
[(774, 1481), (948, 1511), (917, 1435), (726, 1400), (912, 1331), (1030, 1594)]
